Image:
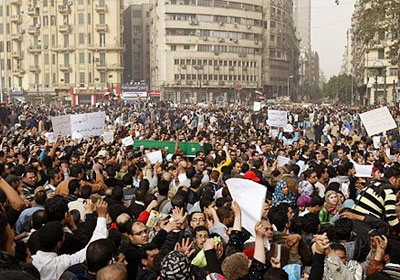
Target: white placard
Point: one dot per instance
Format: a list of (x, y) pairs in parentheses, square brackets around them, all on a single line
[(277, 118), (282, 161), (376, 140), (127, 141), (257, 106), (51, 137), (62, 125), (182, 177), (251, 199), (378, 121), (289, 128), (363, 171), (108, 137), (155, 157), (90, 124), (76, 136)]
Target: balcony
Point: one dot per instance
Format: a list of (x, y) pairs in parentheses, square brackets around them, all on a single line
[(16, 2), (101, 67), (65, 68), (110, 48), (35, 49), (34, 69), (101, 9), (34, 29), (101, 27), (33, 11), (65, 48), (16, 54), (16, 18), (66, 28), (16, 37), (64, 9)]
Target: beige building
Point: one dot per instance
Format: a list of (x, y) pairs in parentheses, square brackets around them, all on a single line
[(215, 50), (376, 72), (69, 49)]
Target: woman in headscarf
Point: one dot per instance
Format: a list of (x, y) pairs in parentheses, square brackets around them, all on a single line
[(330, 209), (282, 194)]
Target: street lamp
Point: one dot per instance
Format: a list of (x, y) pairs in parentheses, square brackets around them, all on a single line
[(288, 88)]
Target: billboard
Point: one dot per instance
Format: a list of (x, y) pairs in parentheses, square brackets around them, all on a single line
[(134, 92)]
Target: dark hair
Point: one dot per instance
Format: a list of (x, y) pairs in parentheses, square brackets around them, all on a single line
[(49, 235), (115, 210), (127, 179), (86, 192), (276, 274), (338, 247), (245, 167), (342, 229), (99, 253), (15, 274), (224, 213), (392, 172), (144, 184), (163, 187), (140, 194), (111, 171), (310, 223), (316, 200), (40, 197), (195, 182), (8, 262), (117, 194), (73, 185), (132, 170), (75, 170), (56, 208), (178, 201), (38, 219), (3, 232), (278, 217), (190, 172), (200, 228), (295, 168), (205, 202)]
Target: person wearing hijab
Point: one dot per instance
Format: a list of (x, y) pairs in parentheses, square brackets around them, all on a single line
[(282, 194), (330, 209)]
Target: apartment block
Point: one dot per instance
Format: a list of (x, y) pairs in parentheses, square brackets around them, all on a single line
[(215, 50), (70, 50)]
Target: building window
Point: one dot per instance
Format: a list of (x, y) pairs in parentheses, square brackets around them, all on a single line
[(186, 47), (89, 19), (102, 59), (54, 78), (47, 78), (53, 58), (102, 40), (66, 78), (81, 77), (81, 38), (381, 54), (103, 78), (46, 59), (81, 19), (176, 61), (81, 58), (173, 48), (37, 79), (102, 18)]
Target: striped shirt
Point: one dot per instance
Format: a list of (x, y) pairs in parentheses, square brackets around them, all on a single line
[(369, 202)]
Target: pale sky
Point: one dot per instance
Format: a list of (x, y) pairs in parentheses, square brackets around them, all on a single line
[(328, 32)]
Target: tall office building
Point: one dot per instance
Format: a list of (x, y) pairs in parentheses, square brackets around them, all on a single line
[(216, 50), (137, 42), (64, 48), (302, 21)]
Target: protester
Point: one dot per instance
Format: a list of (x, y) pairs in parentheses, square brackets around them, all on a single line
[(97, 208)]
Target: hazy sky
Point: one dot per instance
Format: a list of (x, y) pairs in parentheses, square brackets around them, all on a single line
[(328, 32)]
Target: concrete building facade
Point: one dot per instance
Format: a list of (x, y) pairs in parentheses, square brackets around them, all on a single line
[(215, 50), (69, 49), (137, 43)]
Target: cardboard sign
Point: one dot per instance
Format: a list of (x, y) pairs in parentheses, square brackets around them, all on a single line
[(282, 161), (62, 125), (257, 106), (88, 125), (378, 121), (108, 137), (250, 196), (277, 118), (363, 171), (127, 141), (155, 157)]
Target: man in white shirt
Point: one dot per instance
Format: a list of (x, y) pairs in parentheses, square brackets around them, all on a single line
[(51, 238)]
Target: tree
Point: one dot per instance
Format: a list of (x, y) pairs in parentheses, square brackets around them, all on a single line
[(309, 91), (341, 87), (379, 21)]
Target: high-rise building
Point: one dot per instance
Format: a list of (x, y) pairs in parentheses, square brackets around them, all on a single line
[(302, 21), (69, 49), (137, 43), (216, 50)]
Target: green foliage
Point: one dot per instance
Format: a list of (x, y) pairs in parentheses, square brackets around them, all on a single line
[(310, 92), (340, 86)]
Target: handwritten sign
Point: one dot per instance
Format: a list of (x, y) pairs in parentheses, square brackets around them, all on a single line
[(51, 137), (108, 137), (363, 171), (127, 141), (61, 125), (378, 121), (282, 161), (277, 118), (243, 191), (257, 106), (155, 157), (88, 125)]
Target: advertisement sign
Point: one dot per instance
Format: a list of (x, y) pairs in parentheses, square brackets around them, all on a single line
[(133, 92)]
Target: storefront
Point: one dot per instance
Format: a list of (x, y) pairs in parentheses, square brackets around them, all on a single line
[(89, 96)]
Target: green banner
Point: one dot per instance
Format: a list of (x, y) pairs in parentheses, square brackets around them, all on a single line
[(188, 148)]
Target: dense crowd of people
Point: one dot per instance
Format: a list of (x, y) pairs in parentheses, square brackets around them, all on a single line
[(86, 209)]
